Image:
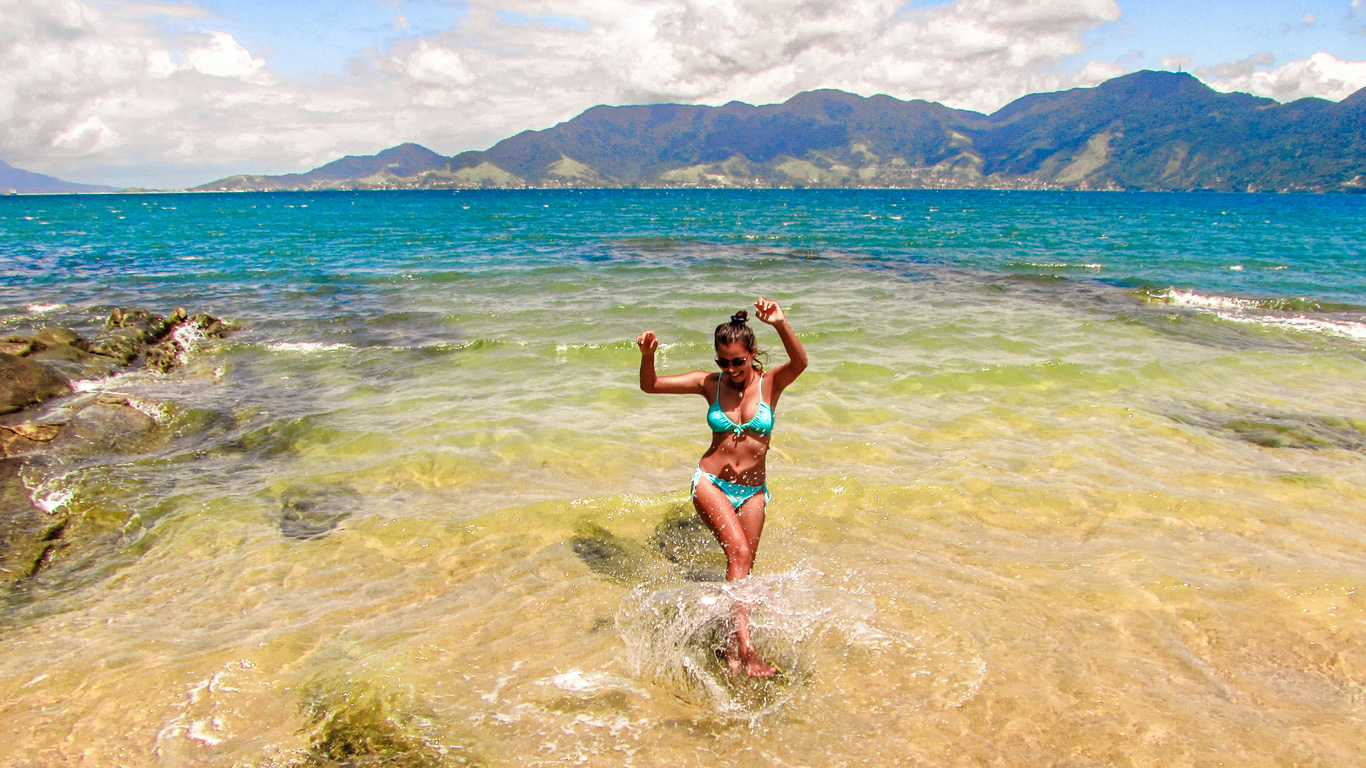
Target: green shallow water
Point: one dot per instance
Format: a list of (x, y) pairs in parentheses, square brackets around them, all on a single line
[(1017, 521)]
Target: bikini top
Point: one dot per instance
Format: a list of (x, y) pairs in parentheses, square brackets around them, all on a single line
[(761, 423)]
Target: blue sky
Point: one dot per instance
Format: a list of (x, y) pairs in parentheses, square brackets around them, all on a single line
[(305, 38), (169, 93)]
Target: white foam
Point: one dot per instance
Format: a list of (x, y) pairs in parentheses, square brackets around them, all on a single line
[(1346, 330), (1200, 300), (107, 383), (187, 337), (39, 309), (53, 500), (155, 411), (1060, 265), (578, 681), (1251, 312), (307, 347)]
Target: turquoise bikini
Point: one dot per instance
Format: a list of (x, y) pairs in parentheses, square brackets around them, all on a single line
[(761, 423)]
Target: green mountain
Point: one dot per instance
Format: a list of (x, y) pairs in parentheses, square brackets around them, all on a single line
[(1146, 130)]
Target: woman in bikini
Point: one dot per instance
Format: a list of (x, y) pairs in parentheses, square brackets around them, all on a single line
[(729, 488)]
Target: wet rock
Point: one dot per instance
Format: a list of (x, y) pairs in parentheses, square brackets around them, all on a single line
[(307, 512), (129, 331), (170, 351), (24, 382), (112, 424), (69, 353), (54, 336), (25, 438), (358, 725), (27, 534), (16, 345)]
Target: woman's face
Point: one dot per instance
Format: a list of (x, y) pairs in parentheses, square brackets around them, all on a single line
[(731, 352)]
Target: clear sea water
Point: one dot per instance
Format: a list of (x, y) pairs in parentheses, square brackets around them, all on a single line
[(1073, 479)]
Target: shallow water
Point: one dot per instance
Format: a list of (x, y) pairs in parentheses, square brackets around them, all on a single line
[(1069, 481)]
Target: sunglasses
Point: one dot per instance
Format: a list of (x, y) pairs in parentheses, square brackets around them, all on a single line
[(735, 362)]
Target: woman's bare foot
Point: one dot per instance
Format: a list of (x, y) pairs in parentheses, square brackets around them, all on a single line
[(756, 667)]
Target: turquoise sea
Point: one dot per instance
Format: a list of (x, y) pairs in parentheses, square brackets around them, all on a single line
[(1073, 479)]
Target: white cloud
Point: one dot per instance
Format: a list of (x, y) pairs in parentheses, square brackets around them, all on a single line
[(101, 87), (222, 56), (89, 136), (1322, 75)]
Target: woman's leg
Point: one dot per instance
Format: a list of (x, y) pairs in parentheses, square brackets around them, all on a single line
[(739, 537)]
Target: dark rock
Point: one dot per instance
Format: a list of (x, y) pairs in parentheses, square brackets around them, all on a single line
[(16, 345), (53, 336), (168, 353), (129, 331), (24, 382), (309, 512), (74, 360)]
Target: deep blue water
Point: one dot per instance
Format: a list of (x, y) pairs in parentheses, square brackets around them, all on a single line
[(85, 248)]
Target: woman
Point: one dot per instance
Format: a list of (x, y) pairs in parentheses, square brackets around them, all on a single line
[(729, 488)]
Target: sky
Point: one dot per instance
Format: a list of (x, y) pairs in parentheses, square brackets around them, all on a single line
[(175, 93)]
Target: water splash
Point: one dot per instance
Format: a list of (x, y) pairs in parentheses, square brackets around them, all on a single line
[(674, 636)]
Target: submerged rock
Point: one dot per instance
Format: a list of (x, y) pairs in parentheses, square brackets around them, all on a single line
[(34, 373), (307, 512), (684, 540), (630, 563), (1283, 430), (27, 534), (357, 724), (24, 382)]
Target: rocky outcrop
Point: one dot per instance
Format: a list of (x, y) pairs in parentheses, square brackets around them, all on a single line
[(24, 382), (46, 420)]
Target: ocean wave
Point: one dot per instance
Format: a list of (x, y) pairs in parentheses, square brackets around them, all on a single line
[(1214, 301), (1090, 266), (1271, 312), (306, 347), (1348, 330)]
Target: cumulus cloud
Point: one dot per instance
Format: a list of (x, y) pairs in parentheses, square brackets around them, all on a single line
[(99, 90), (1322, 75)]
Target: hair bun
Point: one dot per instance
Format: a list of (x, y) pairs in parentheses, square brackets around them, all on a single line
[(740, 317)]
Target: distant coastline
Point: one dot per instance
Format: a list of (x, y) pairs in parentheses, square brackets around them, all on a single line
[(1145, 131)]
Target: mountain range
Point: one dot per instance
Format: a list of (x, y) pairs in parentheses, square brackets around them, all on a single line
[(18, 181), (1142, 131)]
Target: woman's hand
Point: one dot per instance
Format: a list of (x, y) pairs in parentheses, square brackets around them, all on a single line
[(768, 311), (648, 343)]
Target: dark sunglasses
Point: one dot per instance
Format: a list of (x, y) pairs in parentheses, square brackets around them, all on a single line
[(736, 362)]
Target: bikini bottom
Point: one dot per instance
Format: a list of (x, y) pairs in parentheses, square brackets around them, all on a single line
[(737, 493)]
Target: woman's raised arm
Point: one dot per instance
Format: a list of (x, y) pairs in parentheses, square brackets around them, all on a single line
[(681, 384), (772, 313)]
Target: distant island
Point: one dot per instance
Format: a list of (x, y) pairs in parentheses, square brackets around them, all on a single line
[(1161, 131), (16, 181)]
